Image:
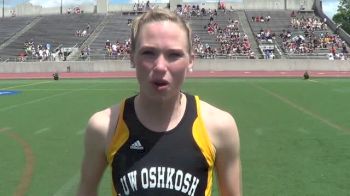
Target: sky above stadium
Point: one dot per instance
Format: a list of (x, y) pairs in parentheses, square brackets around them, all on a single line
[(329, 6)]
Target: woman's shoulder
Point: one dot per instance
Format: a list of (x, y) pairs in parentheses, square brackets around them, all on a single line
[(103, 122), (219, 123), (214, 114)]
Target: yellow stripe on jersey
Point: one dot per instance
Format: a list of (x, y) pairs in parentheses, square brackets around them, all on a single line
[(201, 137), (120, 137)]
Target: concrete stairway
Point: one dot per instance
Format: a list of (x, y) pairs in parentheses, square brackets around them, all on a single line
[(243, 20), (21, 32), (76, 54)]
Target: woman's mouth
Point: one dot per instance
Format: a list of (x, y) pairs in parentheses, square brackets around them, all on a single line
[(160, 84)]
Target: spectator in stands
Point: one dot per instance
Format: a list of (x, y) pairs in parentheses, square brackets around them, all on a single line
[(148, 5), (22, 56), (293, 14), (48, 46), (77, 10), (107, 44), (251, 55), (344, 48), (78, 33), (88, 27), (330, 56), (333, 50), (129, 22), (84, 33), (203, 12)]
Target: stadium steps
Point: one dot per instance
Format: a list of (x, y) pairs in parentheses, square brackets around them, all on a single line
[(247, 30), (115, 29), (197, 24), (9, 26), (57, 30), (21, 32), (90, 39), (280, 20)]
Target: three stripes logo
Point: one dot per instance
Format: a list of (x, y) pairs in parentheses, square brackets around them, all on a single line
[(136, 145)]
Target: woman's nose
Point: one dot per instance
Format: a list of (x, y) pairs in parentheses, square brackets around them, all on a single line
[(161, 63)]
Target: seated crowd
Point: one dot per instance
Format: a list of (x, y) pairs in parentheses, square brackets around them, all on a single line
[(187, 11), (203, 50), (315, 44), (265, 35), (118, 49), (232, 41), (140, 7), (261, 18), (314, 39), (308, 23), (40, 51)]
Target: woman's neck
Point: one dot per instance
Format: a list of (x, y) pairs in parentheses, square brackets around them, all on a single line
[(161, 114)]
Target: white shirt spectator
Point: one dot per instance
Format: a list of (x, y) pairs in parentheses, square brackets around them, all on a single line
[(114, 47), (330, 56)]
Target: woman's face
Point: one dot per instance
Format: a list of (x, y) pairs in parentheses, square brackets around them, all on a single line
[(161, 59)]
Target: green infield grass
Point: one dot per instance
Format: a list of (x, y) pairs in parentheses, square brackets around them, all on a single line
[(295, 133)]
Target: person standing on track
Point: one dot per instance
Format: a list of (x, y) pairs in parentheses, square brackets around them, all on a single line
[(162, 141)]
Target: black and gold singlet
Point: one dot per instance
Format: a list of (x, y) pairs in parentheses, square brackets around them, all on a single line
[(176, 162)]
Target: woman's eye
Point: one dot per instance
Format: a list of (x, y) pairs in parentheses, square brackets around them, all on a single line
[(147, 53), (175, 55)]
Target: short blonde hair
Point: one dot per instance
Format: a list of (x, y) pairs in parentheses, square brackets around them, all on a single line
[(158, 15)]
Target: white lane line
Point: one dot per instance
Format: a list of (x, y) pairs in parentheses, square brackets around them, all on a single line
[(24, 85), (33, 101), (80, 132), (304, 110), (259, 131), (70, 187), (303, 130), (40, 131)]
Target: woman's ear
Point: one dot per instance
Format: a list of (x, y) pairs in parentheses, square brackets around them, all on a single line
[(189, 69), (190, 65)]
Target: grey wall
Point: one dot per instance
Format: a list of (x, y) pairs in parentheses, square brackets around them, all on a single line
[(174, 3), (200, 64), (7, 12), (297, 4), (27, 9), (102, 6), (264, 4), (278, 4)]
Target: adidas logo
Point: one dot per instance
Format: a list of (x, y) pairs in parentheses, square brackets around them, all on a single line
[(136, 145)]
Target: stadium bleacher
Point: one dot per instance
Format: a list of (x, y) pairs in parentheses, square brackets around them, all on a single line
[(66, 31), (9, 26), (57, 30), (115, 29)]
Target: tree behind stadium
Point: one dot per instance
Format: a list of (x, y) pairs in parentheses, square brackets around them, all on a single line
[(342, 17)]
